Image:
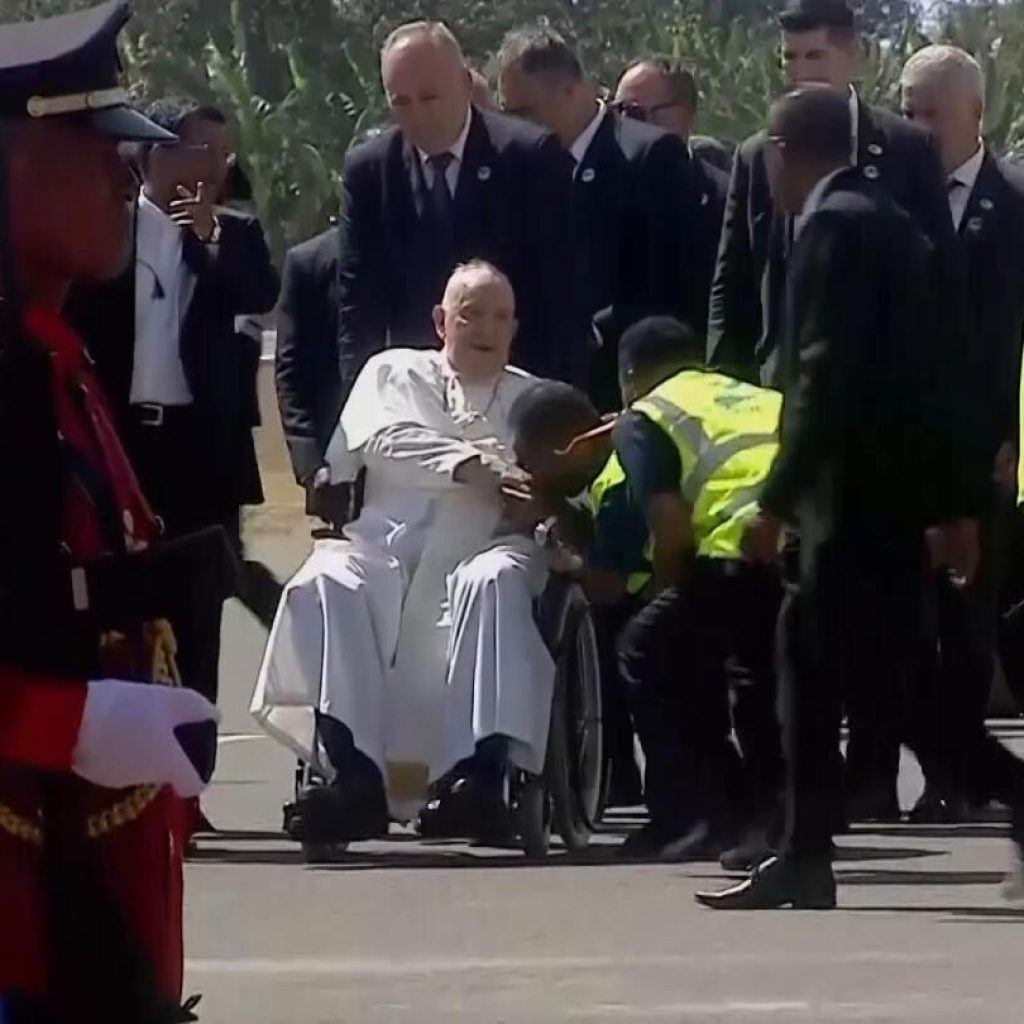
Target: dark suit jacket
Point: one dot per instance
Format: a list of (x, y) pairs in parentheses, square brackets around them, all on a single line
[(233, 277), (991, 236), (712, 188), (867, 431), (746, 296), (307, 367), (511, 208), (713, 151), (634, 200)]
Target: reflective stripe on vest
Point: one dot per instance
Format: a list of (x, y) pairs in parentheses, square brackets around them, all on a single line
[(608, 479), (726, 433)]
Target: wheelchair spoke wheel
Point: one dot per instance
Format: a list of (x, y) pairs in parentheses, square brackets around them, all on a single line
[(586, 722), (575, 761)]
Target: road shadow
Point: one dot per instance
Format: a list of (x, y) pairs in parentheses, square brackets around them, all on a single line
[(848, 854), (956, 915), (896, 876), (968, 830)]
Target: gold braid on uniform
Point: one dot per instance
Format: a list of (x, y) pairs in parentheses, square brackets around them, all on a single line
[(159, 642)]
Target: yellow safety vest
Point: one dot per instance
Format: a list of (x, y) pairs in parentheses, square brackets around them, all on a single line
[(1020, 445), (726, 432), (610, 478)]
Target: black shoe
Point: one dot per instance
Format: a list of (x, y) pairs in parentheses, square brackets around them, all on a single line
[(748, 854), (937, 808), (671, 843), (876, 805), (778, 882), (466, 808), (339, 813)]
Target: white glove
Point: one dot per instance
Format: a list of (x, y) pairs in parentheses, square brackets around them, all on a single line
[(127, 735)]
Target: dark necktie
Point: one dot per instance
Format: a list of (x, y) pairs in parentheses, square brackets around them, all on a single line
[(440, 194)]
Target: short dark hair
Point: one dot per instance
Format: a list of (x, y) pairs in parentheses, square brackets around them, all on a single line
[(682, 82), (657, 345), (540, 50), (548, 413), (171, 113), (835, 16), (813, 122)]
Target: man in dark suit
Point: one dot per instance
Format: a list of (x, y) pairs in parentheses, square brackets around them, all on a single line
[(864, 466), (944, 90), (664, 93), (632, 196), (819, 44), (447, 184), (307, 370), (163, 338)]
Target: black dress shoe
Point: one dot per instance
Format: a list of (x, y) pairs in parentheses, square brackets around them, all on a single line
[(877, 805), (748, 854), (468, 808), (671, 844), (339, 813), (937, 808), (775, 883)]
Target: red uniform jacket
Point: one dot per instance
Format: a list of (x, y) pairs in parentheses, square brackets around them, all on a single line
[(40, 713)]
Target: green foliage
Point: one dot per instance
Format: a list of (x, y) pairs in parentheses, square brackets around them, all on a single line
[(300, 81)]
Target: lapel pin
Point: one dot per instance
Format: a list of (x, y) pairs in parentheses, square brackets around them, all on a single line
[(587, 174), (974, 225), (874, 149), (986, 204), (483, 173)]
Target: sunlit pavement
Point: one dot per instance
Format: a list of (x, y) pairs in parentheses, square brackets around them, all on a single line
[(409, 932)]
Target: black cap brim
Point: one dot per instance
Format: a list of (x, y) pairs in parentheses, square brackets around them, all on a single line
[(128, 125)]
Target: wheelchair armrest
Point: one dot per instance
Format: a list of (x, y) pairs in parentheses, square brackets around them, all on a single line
[(554, 608)]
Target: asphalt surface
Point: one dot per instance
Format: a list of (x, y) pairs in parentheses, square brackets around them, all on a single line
[(409, 932)]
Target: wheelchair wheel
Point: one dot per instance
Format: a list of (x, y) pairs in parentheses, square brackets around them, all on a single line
[(575, 770), (531, 814)]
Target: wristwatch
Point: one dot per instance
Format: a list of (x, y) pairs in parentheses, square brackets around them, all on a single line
[(214, 236)]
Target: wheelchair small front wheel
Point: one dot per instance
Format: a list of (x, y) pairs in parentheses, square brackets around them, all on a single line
[(531, 813)]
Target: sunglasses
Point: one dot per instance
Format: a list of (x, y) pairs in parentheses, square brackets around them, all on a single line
[(635, 112)]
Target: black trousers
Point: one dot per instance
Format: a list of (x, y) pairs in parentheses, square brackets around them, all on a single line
[(861, 610), (967, 620), (1011, 606), (179, 483), (682, 656)]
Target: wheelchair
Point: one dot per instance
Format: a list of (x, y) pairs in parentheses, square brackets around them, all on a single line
[(567, 797)]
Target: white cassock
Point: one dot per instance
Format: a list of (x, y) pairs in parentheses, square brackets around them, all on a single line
[(416, 631)]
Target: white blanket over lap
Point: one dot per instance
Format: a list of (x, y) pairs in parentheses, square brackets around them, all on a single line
[(416, 631)]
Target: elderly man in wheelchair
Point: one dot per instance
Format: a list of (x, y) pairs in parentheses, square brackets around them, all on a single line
[(406, 665)]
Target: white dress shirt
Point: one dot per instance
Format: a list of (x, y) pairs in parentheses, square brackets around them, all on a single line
[(961, 184), (163, 289), (457, 148), (579, 148)]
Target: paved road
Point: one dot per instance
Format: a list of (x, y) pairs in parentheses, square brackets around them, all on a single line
[(418, 934)]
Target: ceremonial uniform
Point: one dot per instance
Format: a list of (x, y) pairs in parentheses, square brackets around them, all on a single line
[(90, 874)]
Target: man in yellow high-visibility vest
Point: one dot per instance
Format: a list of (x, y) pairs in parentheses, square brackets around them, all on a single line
[(692, 452)]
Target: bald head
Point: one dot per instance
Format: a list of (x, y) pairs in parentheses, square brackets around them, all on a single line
[(943, 89), (427, 84), (476, 321), (660, 92)]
